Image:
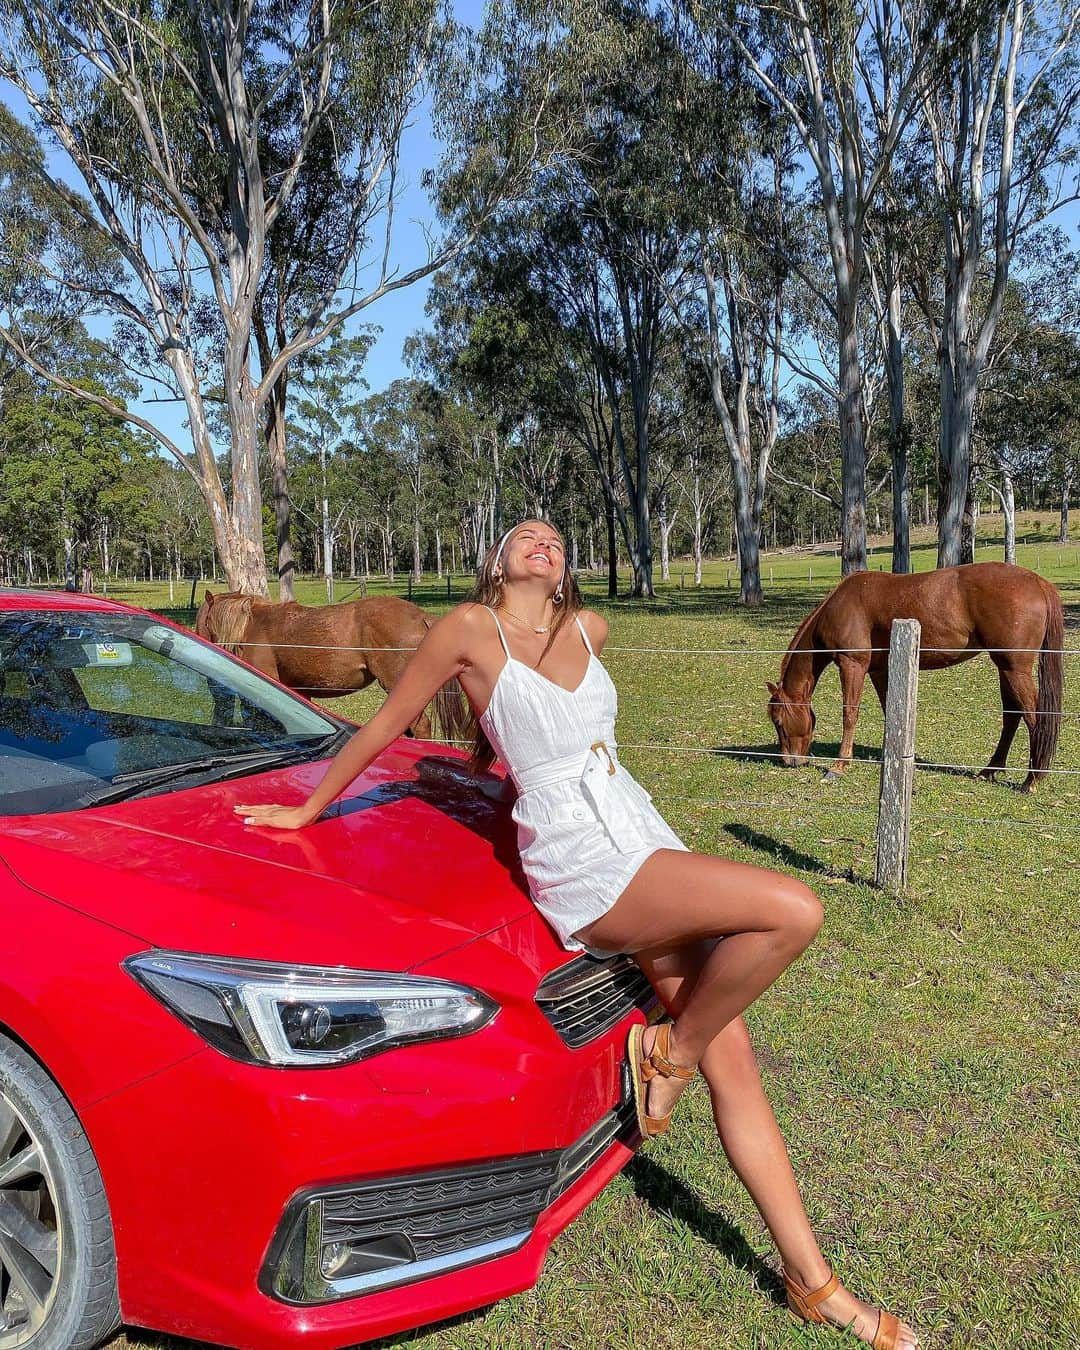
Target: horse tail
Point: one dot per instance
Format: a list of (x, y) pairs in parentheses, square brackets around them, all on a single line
[(231, 616), (1051, 684)]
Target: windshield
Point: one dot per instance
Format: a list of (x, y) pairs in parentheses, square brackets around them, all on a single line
[(88, 700)]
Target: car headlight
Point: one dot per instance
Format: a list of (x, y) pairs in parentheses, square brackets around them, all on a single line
[(266, 1012)]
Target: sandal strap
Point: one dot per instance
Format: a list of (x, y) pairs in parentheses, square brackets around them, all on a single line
[(811, 1299), (887, 1335), (658, 1058)]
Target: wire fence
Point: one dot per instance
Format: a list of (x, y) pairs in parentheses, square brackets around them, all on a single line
[(672, 651), (797, 812)]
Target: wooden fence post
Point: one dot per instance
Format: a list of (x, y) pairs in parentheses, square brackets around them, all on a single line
[(898, 756)]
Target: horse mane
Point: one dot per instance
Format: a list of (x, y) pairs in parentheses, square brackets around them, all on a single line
[(230, 615), (800, 633)]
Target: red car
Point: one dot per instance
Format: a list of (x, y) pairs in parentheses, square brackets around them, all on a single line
[(262, 1088)]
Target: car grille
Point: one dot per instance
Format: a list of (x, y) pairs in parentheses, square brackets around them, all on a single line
[(348, 1241), (587, 996)]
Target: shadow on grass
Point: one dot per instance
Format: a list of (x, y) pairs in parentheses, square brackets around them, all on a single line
[(656, 1186), (787, 856), (767, 754)]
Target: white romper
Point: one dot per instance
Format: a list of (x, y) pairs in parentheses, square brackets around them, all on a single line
[(584, 824)]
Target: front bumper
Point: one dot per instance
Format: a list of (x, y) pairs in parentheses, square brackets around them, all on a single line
[(384, 1233), (209, 1167)]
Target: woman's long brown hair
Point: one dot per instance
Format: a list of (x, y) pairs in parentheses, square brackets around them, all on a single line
[(452, 708)]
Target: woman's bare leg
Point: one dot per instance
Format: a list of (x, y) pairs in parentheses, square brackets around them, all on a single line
[(750, 1135), (766, 918)]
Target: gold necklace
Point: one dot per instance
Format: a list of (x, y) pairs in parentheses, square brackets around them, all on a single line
[(524, 622)]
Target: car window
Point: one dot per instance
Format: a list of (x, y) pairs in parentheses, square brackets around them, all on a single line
[(139, 684), (87, 699)]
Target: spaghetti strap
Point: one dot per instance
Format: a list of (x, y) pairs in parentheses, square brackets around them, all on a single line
[(502, 635), (581, 630)]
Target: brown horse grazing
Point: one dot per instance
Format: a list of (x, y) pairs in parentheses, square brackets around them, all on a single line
[(963, 610), (321, 651)]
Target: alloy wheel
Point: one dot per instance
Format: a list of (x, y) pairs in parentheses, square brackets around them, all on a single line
[(30, 1232)]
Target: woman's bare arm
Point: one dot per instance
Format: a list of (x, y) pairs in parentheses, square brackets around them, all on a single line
[(442, 655)]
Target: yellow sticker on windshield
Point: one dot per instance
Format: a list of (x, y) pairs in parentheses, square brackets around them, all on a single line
[(108, 651)]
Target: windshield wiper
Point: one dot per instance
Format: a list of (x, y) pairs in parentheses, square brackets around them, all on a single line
[(142, 780)]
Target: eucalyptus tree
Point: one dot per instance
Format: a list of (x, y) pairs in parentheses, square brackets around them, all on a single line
[(193, 129), (591, 257), (481, 352), (69, 474), (1029, 415), (824, 64), (329, 385), (730, 192), (39, 223), (999, 109), (405, 418)]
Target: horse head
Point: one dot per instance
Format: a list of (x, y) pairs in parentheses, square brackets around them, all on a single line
[(794, 722), (202, 616)]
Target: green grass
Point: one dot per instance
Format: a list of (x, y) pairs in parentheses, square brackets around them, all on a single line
[(921, 1056)]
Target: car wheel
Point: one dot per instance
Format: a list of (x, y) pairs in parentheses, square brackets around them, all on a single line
[(57, 1259)]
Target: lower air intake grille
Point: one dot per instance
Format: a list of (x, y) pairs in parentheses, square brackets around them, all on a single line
[(352, 1240)]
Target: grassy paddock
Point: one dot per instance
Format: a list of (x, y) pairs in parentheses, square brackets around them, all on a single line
[(921, 1056)]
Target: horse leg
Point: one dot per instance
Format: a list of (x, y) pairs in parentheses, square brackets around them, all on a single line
[(852, 675), (1019, 699), (880, 680), (1011, 708)]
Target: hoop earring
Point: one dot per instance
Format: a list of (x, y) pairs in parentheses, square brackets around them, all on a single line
[(557, 598), (498, 577)]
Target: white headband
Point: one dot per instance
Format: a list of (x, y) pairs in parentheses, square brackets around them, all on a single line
[(498, 552)]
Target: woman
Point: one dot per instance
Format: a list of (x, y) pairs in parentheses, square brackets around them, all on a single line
[(609, 874)]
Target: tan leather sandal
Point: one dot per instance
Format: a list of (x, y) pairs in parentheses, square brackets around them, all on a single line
[(643, 1070), (804, 1304)]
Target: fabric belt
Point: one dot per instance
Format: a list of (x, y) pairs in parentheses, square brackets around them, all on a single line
[(594, 770)]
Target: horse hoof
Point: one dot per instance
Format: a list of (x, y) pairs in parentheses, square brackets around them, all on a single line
[(987, 775)]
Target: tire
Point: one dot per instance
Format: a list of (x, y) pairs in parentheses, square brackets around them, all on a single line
[(53, 1207)]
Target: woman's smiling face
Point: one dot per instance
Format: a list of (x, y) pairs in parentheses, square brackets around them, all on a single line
[(534, 550)]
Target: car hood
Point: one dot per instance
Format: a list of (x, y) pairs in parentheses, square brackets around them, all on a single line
[(410, 862)]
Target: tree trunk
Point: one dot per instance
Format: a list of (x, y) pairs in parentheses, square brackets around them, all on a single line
[(279, 486), (746, 535), (1008, 510), (665, 524), (327, 541), (954, 460), (71, 579), (852, 446), (899, 439), (609, 520)]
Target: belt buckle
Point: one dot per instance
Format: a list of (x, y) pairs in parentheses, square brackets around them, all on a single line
[(602, 745)]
